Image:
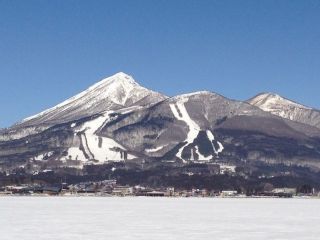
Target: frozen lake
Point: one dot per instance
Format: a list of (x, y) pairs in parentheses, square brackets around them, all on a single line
[(97, 218)]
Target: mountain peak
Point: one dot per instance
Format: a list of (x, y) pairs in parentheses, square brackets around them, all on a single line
[(268, 100), (112, 93), (198, 95), (285, 108), (119, 78)]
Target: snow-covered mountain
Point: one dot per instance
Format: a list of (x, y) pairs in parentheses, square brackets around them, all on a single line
[(112, 93), (119, 120), (116, 92), (286, 108)]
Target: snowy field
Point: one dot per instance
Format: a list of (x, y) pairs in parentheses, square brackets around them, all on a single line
[(98, 218)]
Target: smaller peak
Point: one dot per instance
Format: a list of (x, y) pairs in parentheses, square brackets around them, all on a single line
[(196, 94), (202, 93), (269, 98), (263, 97), (267, 94), (186, 95)]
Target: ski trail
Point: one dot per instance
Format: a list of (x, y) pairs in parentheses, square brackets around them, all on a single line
[(180, 112)]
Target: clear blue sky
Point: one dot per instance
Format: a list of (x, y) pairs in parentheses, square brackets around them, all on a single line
[(51, 50)]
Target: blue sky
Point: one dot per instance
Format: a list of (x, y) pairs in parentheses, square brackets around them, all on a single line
[(51, 50)]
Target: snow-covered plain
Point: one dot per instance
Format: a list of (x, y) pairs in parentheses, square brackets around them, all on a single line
[(99, 218)]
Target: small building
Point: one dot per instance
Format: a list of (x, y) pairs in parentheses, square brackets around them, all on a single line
[(228, 193), (109, 182), (285, 190), (170, 192), (51, 190), (21, 189), (227, 169), (122, 191), (199, 192)]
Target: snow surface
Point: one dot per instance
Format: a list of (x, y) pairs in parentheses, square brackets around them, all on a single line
[(286, 108), (43, 155), (94, 218), (193, 126), (109, 92), (269, 100), (97, 147), (185, 96), (151, 150), (202, 157), (39, 157), (180, 112), (211, 138), (278, 105), (75, 154)]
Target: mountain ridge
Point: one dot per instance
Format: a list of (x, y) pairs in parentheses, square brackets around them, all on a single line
[(119, 90), (286, 108), (116, 119)]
